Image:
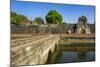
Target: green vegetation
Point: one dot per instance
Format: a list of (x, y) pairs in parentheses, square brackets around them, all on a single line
[(18, 19), (39, 20), (54, 17)]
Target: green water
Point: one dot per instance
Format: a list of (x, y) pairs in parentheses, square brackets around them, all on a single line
[(72, 53)]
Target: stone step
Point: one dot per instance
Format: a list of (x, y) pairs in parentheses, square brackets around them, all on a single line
[(26, 41)]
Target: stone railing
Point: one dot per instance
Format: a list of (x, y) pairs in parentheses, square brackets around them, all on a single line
[(32, 50)]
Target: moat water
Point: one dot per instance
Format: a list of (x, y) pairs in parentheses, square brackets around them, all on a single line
[(72, 53)]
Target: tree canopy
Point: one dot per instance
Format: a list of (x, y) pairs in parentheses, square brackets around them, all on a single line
[(39, 20), (54, 17), (18, 19)]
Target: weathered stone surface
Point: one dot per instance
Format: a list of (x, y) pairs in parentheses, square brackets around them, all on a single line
[(35, 50), (82, 26)]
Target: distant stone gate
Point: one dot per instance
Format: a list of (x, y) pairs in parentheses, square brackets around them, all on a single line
[(82, 26)]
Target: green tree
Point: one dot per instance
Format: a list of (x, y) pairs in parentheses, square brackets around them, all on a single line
[(54, 17), (18, 19), (14, 18), (39, 20), (22, 20)]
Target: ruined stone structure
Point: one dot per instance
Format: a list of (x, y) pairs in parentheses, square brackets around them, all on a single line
[(32, 50), (82, 26)]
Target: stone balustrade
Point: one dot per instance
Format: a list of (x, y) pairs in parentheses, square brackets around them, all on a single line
[(32, 50)]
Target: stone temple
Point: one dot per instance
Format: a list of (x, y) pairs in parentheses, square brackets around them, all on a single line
[(82, 26)]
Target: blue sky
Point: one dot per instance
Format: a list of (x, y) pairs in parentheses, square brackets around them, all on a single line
[(70, 12)]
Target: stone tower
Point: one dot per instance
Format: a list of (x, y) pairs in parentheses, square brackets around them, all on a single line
[(82, 26)]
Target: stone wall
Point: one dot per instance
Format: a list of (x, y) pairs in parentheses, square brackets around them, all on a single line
[(53, 29), (56, 29)]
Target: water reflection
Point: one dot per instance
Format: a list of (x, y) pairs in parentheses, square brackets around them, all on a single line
[(90, 56), (69, 54), (68, 57), (81, 55)]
